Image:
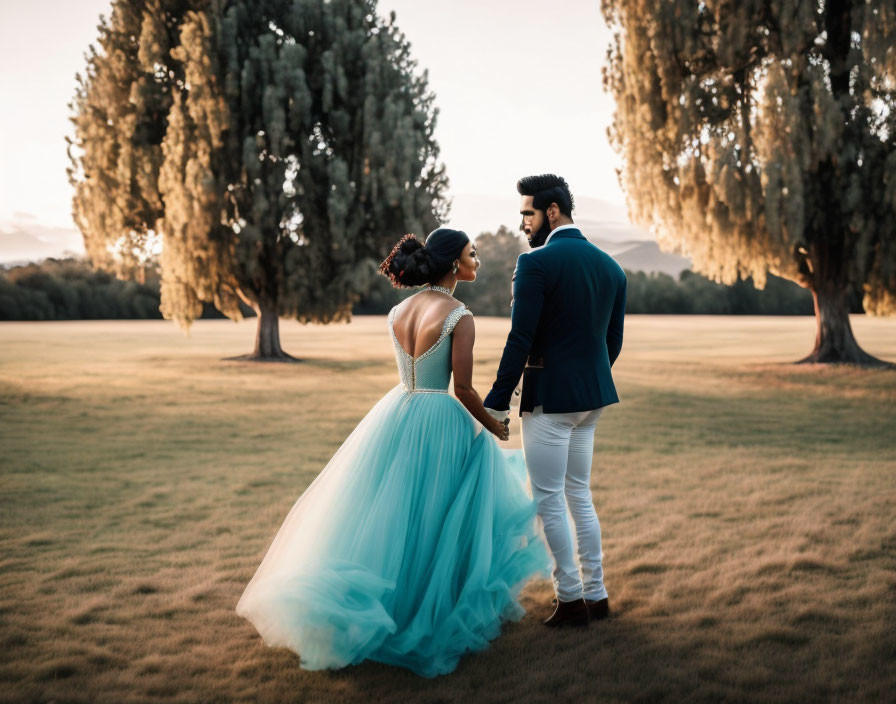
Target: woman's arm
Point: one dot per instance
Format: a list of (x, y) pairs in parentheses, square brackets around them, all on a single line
[(462, 363)]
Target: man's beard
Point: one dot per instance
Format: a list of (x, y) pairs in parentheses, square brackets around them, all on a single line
[(537, 239)]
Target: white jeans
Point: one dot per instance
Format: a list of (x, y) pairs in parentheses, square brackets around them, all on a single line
[(558, 449)]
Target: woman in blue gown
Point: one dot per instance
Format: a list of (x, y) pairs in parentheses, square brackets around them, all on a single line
[(412, 544)]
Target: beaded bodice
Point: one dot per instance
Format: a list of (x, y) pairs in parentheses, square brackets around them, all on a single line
[(431, 371)]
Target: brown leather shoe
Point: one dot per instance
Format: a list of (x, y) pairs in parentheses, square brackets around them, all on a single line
[(569, 613), (598, 610)]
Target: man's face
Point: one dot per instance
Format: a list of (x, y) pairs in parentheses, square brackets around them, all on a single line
[(534, 224), (532, 218)]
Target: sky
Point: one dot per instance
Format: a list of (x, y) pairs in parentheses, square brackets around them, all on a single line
[(518, 89)]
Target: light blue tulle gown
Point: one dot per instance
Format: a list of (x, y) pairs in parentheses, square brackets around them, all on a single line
[(412, 544)]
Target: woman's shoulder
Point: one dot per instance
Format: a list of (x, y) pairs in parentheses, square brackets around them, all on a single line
[(434, 302), (429, 308), (456, 315), (454, 311)]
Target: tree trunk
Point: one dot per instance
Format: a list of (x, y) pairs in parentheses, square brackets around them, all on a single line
[(267, 336), (834, 341)]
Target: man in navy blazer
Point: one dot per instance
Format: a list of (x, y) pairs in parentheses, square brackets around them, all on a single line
[(566, 333)]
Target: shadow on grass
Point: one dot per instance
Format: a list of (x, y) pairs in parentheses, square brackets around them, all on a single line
[(688, 657), (283, 359), (322, 363)]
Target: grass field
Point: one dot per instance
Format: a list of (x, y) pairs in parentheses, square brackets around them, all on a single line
[(748, 508)]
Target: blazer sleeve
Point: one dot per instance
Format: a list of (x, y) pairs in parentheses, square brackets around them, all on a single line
[(528, 300), (614, 330)]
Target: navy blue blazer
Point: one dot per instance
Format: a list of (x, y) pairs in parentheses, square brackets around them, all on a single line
[(566, 322)]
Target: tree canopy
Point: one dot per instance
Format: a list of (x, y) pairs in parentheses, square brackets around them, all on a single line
[(760, 137), (267, 148)]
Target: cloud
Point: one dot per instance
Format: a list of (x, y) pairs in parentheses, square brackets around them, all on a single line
[(23, 239)]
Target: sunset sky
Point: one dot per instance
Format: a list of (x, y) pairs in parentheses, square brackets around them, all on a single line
[(518, 88)]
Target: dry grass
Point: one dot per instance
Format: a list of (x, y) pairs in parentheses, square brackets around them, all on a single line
[(747, 507)]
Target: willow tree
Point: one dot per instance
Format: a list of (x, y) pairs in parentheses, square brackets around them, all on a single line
[(119, 112), (292, 143), (760, 137)]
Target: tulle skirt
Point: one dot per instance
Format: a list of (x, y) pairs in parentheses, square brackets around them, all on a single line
[(409, 548)]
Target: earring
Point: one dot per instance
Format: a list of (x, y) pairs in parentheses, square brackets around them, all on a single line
[(456, 267)]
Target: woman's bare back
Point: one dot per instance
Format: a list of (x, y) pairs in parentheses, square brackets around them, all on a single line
[(418, 320)]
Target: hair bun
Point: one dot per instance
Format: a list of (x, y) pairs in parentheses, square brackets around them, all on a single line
[(410, 244), (409, 264)]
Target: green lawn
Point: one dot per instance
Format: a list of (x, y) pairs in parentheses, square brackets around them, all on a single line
[(748, 509)]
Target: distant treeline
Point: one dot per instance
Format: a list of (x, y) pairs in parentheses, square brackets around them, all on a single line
[(697, 295), (690, 294), (647, 293), (69, 289)]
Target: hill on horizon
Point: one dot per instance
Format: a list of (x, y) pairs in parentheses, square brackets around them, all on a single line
[(24, 239)]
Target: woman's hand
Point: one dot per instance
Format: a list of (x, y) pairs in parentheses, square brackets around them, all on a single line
[(500, 430)]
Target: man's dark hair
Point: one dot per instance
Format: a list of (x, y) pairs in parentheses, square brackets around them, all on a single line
[(546, 189)]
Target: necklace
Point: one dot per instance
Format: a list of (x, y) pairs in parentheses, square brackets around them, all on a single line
[(440, 288)]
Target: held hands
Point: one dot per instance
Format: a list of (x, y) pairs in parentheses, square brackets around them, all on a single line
[(500, 429)]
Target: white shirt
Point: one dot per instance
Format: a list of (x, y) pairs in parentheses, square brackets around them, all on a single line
[(571, 226)]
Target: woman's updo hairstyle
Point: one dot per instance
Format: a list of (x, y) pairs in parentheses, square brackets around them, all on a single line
[(408, 264), (411, 263)]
